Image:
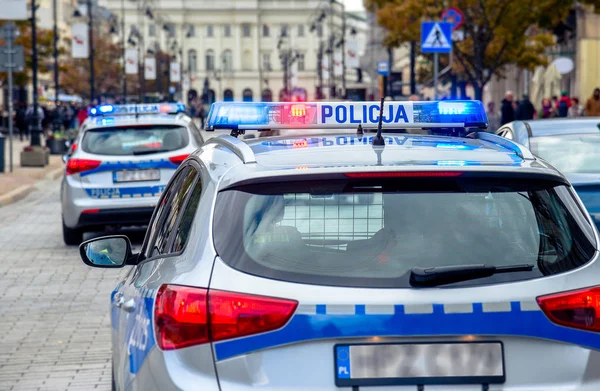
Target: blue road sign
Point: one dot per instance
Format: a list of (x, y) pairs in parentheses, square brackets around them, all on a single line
[(436, 37), (383, 68)]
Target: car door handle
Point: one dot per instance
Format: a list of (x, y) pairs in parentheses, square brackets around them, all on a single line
[(118, 299), (128, 306)]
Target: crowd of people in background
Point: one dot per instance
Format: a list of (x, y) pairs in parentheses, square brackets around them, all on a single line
[(63, 116), (554, 107)]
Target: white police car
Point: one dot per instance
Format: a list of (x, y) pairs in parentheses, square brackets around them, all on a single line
[(120, 163), (462, 263)]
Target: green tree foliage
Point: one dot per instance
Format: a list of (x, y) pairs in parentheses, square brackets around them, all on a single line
[(497, 32)]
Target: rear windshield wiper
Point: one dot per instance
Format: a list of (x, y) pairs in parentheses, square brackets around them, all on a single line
[(441, 275), (149, 151)]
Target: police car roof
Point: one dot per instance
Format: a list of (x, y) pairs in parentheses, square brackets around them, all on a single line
[(345, 152), (562, 126), (142, 119)]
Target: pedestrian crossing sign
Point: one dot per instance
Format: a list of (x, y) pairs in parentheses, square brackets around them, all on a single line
[(436, 37)]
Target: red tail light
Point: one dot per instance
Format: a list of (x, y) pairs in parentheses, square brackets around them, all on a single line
[(75, 166), (178, 159), (186, 316), (577, 309), (90, 211), (404, 174)]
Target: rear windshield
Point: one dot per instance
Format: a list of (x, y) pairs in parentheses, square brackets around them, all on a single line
[(573, 153), (135, 140), (371, 234)]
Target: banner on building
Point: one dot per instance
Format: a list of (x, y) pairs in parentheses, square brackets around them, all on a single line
[(131, 62), (80, 47), (150, 68), (352, 60), (325, 68), (294, 74), (175, 71), (13, 9), (338, 65)]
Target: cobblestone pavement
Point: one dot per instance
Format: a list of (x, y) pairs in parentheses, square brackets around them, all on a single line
[(54, 310)]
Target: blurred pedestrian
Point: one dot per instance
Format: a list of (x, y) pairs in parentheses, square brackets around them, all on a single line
[(414, 98), (493, 117), (576, 109), (548, 110), (29, 117), (82, 115), (21, 121), (592, 106), (554, 101), (525, 109), (201, 115), (564, 104), (507, 110)]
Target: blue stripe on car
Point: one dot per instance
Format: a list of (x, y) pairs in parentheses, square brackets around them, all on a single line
[(306, 327), (140, 332), (131, 165)]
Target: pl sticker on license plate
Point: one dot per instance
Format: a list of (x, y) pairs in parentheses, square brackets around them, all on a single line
[(136, 175), (419, 363)]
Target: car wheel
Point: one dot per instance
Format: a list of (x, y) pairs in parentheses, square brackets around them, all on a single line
[(72, 237)]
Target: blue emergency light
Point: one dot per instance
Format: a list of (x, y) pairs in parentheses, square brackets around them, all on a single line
[(149, 108), (345, 115)]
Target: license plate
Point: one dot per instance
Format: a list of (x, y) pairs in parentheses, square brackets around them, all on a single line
[(136, 175), (419, 363)]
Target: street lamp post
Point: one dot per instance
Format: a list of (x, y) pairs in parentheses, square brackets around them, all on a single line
[(56, 122), (91, 29), (36, 129), (124, 51)]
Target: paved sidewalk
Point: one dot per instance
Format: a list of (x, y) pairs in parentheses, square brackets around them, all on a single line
[(16, 185), (55, 330)]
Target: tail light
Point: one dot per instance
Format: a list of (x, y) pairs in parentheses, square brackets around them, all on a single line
[(73, 148), (404, 174), (75, 165), (186, 316), (576, 309), (178, 159)]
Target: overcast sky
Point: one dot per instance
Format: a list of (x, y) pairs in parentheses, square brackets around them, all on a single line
[(353, 5)]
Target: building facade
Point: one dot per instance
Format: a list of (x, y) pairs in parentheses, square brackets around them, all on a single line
[(246, 49)]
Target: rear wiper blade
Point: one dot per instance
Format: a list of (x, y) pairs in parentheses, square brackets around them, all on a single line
[(149, 151), (441, 275)]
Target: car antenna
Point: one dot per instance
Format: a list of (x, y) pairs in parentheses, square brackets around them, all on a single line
[(378, 139), (359, 130)]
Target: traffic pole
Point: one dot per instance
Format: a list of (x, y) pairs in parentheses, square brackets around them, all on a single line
[(435, 75), (9, 45)]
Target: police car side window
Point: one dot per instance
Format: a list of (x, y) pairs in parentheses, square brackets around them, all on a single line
[(187, 218), (161, 211), (176, 205)]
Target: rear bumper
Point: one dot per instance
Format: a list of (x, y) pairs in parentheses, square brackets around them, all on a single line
[(120, 217)]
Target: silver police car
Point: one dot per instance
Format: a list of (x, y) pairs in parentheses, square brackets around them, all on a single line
[(120, 163), (358, 261)]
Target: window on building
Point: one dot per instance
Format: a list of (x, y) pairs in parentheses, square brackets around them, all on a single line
[(152, 30), (267, 95), (284, 30), (246, 32), (301, 30), (170, 29), (247, 95), (210, 60), (191, 31), (319, 31), (192, 61), (300, 59), (227, 61), (266, 62), (228, 95), (210, 30), (266, 30), (227, 30)]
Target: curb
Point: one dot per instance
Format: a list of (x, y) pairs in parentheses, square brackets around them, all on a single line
[(16, 194), (55, 174)]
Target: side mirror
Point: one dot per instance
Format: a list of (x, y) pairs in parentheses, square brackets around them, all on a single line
[(107, 252)]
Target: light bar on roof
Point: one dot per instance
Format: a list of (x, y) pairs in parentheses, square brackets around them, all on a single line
[(148, 108), (344, 115)]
